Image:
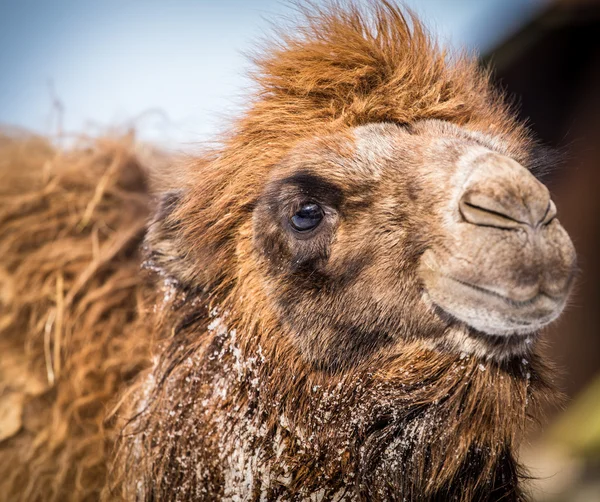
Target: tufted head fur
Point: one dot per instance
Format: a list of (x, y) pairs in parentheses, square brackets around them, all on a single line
[(349, 357)]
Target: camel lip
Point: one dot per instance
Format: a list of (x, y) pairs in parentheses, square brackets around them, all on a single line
[(523, 331), (541, 295), (516, 319)]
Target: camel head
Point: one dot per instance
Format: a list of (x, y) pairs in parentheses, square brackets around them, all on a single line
[(384, 233), (373, 193)]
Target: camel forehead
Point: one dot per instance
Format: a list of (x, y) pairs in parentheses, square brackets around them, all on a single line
[(436, 143), (353, 156), (375, 145), (363, 154)]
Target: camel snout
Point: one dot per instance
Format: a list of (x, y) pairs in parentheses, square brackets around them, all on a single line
[(503, 194)]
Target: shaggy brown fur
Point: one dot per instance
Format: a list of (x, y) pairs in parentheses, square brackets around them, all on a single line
[(253, 392), (70, 228)]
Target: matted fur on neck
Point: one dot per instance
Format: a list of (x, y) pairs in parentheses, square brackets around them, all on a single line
[(230, 409)]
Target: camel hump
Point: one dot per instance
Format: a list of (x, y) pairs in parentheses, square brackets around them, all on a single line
[(71, 222)]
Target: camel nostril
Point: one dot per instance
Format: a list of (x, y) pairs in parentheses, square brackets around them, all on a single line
[(483, 210), (550, 213), (499, 192)]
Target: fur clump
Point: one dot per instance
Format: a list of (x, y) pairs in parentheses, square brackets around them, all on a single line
[(71, 305), (231, 409)]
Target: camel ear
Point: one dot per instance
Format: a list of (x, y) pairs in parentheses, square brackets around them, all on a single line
[(162, 249)]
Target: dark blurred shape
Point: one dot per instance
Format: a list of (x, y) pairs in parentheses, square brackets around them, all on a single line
[(552, 69)]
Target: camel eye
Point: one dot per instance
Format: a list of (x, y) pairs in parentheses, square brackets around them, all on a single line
[(307, 217)]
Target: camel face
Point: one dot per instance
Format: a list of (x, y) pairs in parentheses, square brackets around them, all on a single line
[(384, 233)]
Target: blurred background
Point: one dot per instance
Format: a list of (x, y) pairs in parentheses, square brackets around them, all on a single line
[(175, 70)]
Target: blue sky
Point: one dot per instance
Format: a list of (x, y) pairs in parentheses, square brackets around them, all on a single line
[(173, 68)]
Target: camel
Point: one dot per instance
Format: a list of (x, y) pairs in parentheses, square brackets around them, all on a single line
[(342, 300)]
